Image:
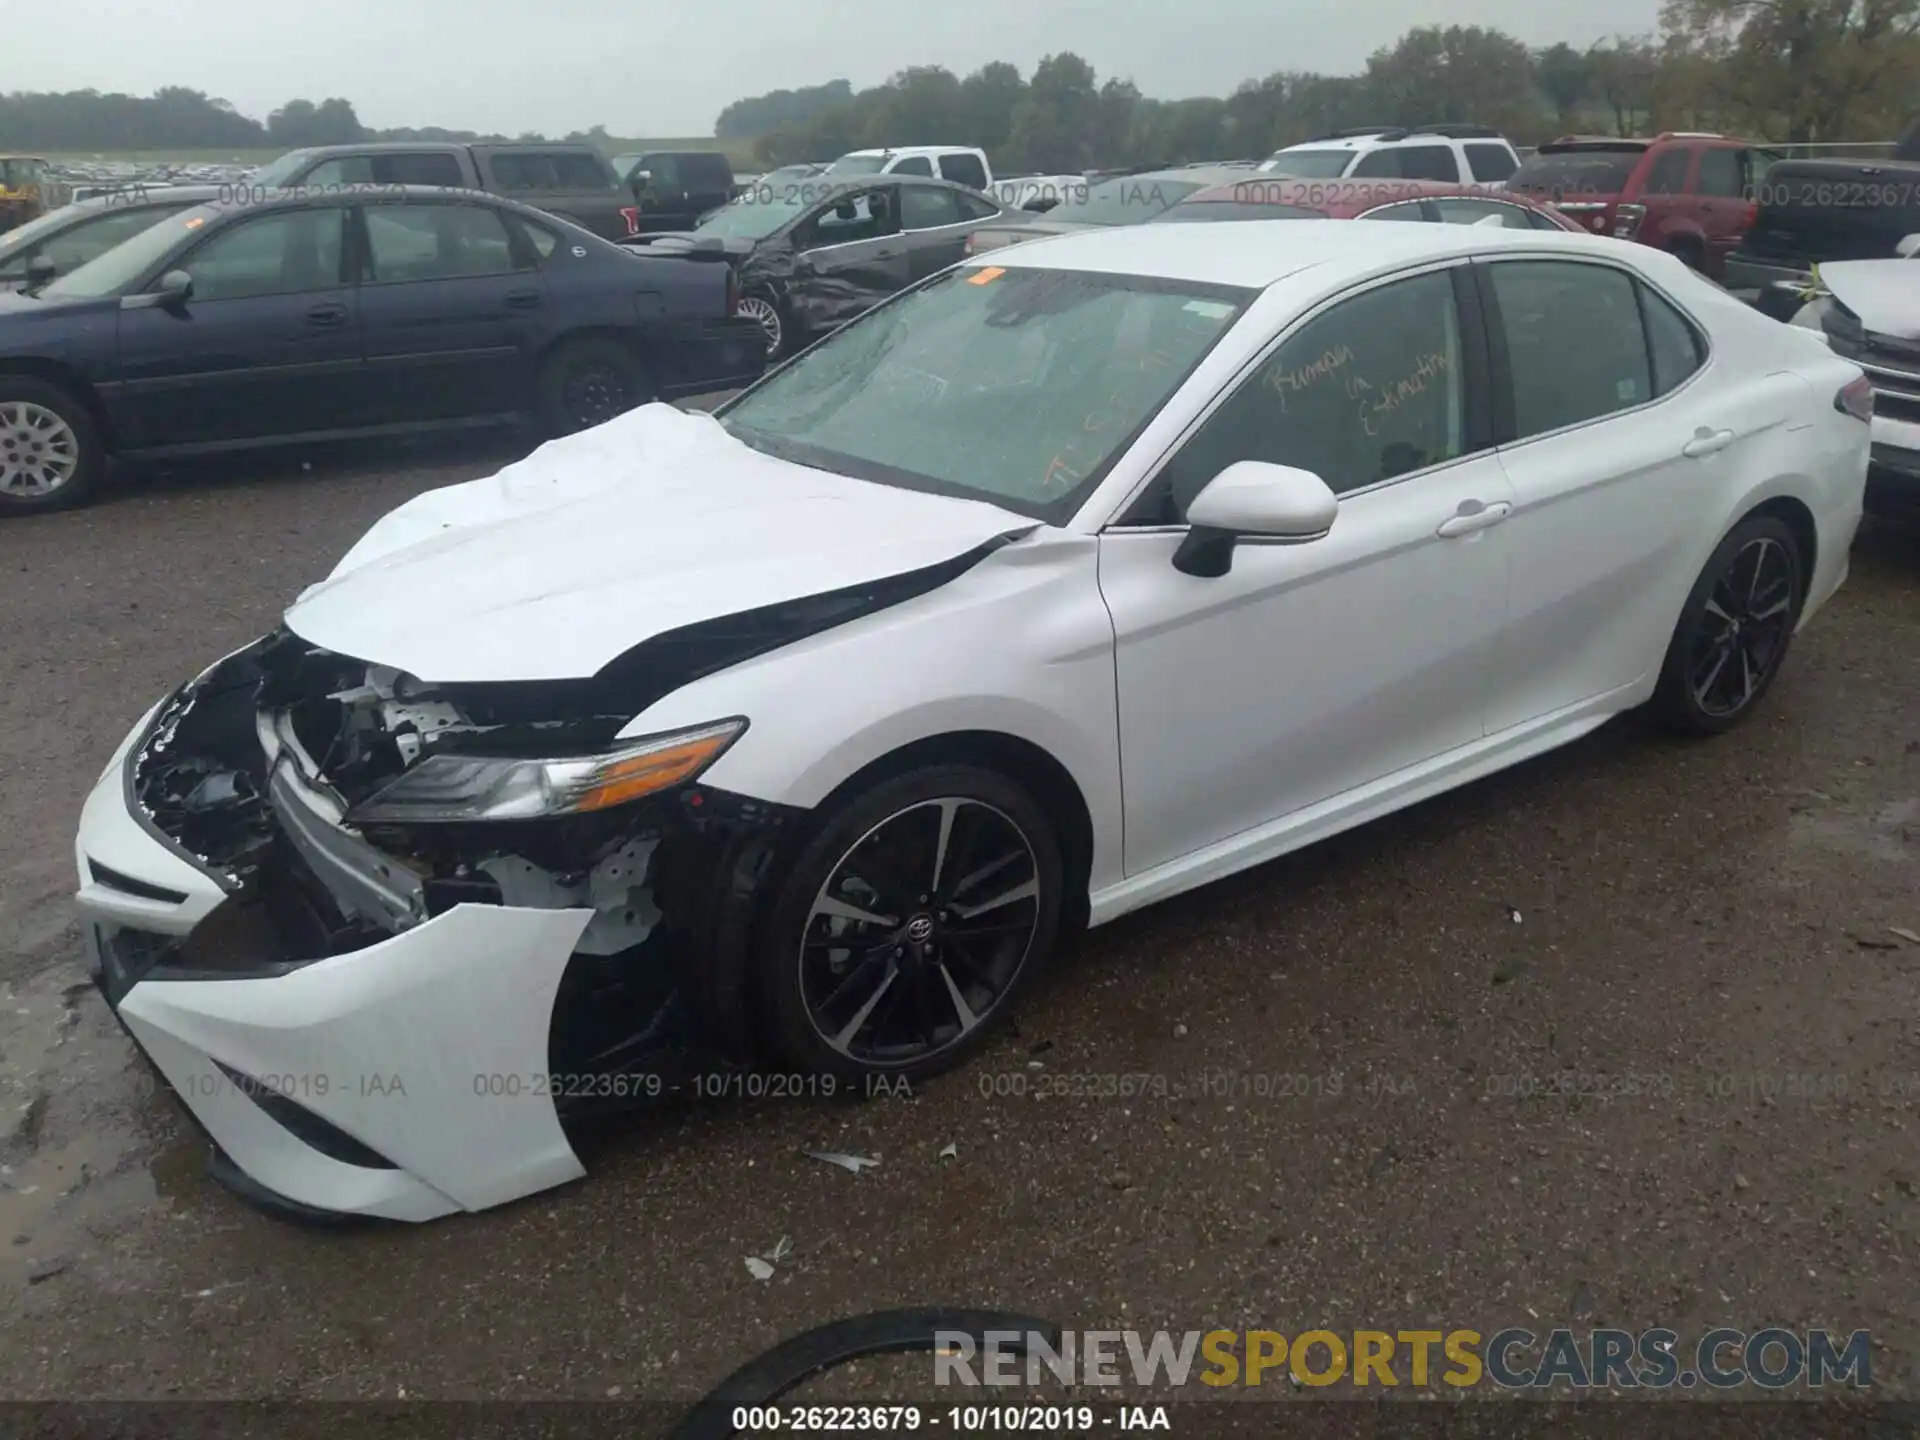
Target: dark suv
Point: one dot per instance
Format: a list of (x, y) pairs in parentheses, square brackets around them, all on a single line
[(675, 189), (574, 182), (1684, 192)]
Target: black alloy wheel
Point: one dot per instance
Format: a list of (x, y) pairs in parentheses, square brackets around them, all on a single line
[(1735, 629), (910, 922)]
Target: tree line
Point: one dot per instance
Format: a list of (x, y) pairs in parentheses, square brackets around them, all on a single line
[(177, 118), (1780, 70), (1777, 70)]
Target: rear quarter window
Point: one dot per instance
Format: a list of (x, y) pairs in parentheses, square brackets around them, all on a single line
[(1490, 161), (964, 170)]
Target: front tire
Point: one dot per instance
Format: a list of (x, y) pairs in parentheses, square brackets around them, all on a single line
[(51, 454), (1734, 630), (908, 924), (588, 382), (765, 311)]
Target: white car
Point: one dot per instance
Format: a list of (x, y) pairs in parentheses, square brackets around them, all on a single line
[(1458, 154), (962, 164), (1048, 589)]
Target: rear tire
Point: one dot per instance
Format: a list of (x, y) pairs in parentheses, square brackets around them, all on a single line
[(955, 930), (1734, 630), (588, 382), (51, 452)]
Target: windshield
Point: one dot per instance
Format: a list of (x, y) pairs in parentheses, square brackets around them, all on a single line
[(22, 236), (280, 171), (1126, 201), (858, 165), (1309, 164), (112, 272), (1013, 385), (1573, 172), (1236, 210)]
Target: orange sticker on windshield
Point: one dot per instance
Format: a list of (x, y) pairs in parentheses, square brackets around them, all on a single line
[(987, 276), (194, 222)]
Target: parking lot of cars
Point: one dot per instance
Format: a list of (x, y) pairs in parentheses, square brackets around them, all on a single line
[(1608, 1031)]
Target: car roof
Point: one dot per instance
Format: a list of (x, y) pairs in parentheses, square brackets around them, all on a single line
[(1256, 253), (133, 196), (915, 150), (245, 198), (1322, 194)]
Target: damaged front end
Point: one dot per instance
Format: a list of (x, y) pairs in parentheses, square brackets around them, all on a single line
[(341, 804)]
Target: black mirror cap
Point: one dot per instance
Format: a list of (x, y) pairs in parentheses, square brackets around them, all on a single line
[(40, 270)]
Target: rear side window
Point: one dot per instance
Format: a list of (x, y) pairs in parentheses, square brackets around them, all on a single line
[(1721, 173), (581, 172), (1490, 161), (1428, 162), (549, 172), (521, 172), (972, 207), (1576, 348), (914, 165), (964, 170), (1375, 165), (1465, 210), (927, 207), (1414, 210), (418, 168), (1674, 345), (1668, 175)]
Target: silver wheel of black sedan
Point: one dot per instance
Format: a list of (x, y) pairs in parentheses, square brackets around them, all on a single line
[(39, 453)]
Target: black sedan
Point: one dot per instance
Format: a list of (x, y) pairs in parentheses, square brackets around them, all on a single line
[(324, 315), (813, 254), (67, 238)]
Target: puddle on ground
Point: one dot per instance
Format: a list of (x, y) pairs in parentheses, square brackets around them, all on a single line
[(1890, 833), (83, 1133)]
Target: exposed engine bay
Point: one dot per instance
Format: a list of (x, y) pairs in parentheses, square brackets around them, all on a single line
[(259, 769)]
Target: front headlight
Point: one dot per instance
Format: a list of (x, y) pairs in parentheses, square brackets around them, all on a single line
[(465, 788)]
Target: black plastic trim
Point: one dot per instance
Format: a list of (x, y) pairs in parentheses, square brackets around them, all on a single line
[(322, 1135), (793, 1362), (126, 884)]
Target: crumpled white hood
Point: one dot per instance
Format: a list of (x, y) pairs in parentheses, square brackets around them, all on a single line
[(596, 542), (1885, 294)]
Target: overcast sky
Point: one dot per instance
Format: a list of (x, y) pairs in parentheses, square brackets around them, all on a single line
[(667, 67)]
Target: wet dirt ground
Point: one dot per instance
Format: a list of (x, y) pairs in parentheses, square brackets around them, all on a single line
[(1623, 1037)]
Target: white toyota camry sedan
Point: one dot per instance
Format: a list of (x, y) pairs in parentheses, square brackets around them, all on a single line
[(787, 741)]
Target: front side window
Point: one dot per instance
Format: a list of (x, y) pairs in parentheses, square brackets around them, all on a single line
[(435, 242), (522, 172), (418, 167), (1014, 385), (1542, 303), (867, 215), (284, 253), (1366, 391), (858, 165), (340, 170), (914, 165)]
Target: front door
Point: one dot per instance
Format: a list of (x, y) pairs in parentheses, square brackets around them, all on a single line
[(1310, 670), (850, 256), (267, 346), (452, 311)]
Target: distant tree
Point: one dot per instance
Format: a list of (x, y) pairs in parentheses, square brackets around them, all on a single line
[(991, 94), (780, 110), (1565, 78), (1459, 72), (1626, 77), (1057, 126), (300, 123)]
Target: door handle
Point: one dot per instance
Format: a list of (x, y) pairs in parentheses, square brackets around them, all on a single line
[(524, 299), (1474, 516), (1706, 442), (327, 315)]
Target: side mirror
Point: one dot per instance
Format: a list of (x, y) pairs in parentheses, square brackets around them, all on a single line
[(1253, 500), (40, 270), (175, 288), (1909, 245)]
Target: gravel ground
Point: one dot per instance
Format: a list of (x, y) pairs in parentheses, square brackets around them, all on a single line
[(1714, 919)]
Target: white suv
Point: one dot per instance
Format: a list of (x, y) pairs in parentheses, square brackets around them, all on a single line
[(959, 163), (1461, 154)]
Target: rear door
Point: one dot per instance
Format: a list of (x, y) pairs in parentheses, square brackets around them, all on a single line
[(851, 256), (452, 310), (1618, 449), (267, 346)]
